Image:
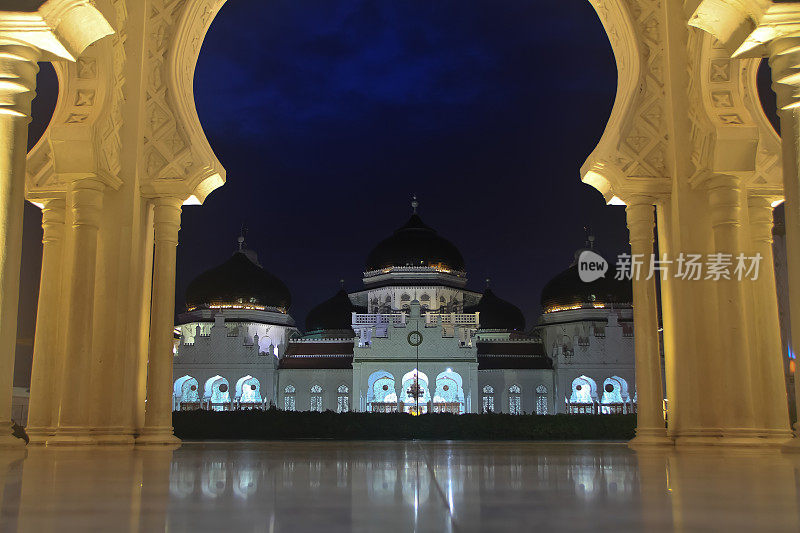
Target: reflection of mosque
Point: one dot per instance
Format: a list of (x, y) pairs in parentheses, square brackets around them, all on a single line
[(408, 486), (414, 339)]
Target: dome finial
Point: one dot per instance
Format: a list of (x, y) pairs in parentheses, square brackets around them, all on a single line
[(488, 282), (414, 203), (341, 283)]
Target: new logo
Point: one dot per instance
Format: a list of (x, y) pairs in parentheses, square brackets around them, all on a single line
[(591, 266)]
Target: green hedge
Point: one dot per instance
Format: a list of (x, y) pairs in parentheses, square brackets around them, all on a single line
[(282, 425)]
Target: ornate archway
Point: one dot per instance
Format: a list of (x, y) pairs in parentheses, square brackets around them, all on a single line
[(125, 151)]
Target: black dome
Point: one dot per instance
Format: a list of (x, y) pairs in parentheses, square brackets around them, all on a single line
[(496, 313), (240, 279), (332, 314), (567, 290), (415, 244)]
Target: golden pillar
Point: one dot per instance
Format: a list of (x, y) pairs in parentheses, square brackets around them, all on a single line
[(85, 197), (650, 428), (772, 413), (18, 70), (43, 406), (158, 411)]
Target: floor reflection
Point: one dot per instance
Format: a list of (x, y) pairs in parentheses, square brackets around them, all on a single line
[(396, 486)]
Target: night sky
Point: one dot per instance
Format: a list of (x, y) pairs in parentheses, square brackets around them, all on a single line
[(329, 115)]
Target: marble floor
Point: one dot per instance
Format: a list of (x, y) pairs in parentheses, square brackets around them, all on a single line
[(397, 486)]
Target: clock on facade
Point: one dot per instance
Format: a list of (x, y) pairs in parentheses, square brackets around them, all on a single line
[(415, 338)]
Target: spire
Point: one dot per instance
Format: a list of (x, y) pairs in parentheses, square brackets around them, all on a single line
[(242, 235), (589, 237), (414, 203)]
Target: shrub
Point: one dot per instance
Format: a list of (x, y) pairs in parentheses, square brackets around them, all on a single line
[(275, 424)]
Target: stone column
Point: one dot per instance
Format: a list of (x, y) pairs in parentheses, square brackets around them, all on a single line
[(784, 60), (85, 199), (43, 406), (158, 411), (650, 428), (725, 203), (18, 70), (772, 408)]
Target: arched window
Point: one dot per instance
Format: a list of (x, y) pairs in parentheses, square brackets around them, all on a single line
[(316, 398), (405, 298), (425, 298), (488, 399), (541, 400), (288, 398), (514, 400), (342, 399)]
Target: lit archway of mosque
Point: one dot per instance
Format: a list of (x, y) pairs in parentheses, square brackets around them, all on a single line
[(217, 392), (381, 394), (584, 390), (186, 390), (449, 395), (248, 390), (615, 390), (415, 392)]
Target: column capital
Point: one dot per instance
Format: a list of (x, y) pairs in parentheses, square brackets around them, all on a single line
[(53, 213), (637, 200), (761, 222), (724, 200), (55, 29), (640, 218), (784, 61), (86, 202), (167, 218)]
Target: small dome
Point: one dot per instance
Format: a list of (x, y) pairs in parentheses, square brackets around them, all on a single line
[(415, 244), (332, 314), (566, 290), (496, 313), (239, 280)]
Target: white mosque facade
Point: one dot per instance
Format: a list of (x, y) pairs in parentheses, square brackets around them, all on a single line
[(414, 340)]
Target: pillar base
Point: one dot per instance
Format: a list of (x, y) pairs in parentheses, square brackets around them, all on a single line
[(749, 438), (39, 436), (10, 441), (650, 437), (114, 437), (71, 436), (157, 437), (792, 445)]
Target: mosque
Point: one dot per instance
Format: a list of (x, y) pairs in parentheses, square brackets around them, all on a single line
[(414, 339)]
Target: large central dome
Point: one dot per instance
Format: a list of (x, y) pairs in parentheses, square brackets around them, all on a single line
[(415, 245), (239, 281)]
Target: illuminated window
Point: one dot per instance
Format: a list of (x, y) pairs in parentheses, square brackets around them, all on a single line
[(288, 398), (541, 400), (514, 400), (316, 398), (488, 399), (342, 399)]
